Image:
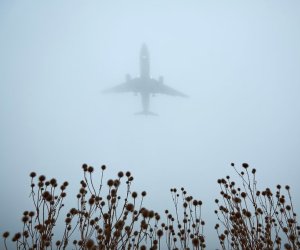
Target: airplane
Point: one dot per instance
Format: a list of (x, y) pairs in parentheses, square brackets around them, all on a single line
[(144, 84)]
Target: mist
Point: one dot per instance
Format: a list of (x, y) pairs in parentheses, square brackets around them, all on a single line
[(238, 61)]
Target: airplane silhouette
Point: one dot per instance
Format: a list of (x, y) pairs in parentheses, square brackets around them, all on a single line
[(144, 84)]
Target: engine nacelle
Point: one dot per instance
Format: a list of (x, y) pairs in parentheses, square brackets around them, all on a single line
[(128, 78), (161, 79)]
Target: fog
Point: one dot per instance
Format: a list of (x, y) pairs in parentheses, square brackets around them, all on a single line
[(237, 60)]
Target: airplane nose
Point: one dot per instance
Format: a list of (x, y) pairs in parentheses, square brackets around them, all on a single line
[(144, 49)]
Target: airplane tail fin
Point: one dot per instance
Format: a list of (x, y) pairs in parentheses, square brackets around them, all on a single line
[(146, 113)]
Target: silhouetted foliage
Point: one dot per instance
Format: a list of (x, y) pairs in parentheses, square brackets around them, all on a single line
[(254, 219), (110, 215)]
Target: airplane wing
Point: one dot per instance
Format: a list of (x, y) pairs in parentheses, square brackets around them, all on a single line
[(129, 86), (164, 89)]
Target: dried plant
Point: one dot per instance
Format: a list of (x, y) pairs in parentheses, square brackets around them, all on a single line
[(109, 215), (184, 230), (116, 220), (38, 225), (253, 219)]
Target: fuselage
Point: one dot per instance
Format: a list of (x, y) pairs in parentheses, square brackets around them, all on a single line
[(144, 78), (144, 63)]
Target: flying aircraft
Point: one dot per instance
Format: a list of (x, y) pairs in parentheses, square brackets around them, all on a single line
[(144, 84)]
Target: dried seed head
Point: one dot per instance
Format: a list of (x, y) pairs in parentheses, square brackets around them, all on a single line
[(5, 235), (32, 174), (245, 165)]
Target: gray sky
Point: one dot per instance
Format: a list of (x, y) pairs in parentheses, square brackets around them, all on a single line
[(238, 61)]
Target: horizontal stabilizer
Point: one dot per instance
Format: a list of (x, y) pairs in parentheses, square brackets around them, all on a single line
[(146, 113)]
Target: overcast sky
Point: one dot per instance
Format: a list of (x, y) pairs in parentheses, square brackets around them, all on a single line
[(238, 61)]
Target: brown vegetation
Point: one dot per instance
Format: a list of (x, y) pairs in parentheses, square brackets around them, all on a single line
[(254, 219), (112, 216)]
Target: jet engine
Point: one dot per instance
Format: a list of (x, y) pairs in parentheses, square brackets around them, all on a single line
[(161, 79), (128, 78)]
